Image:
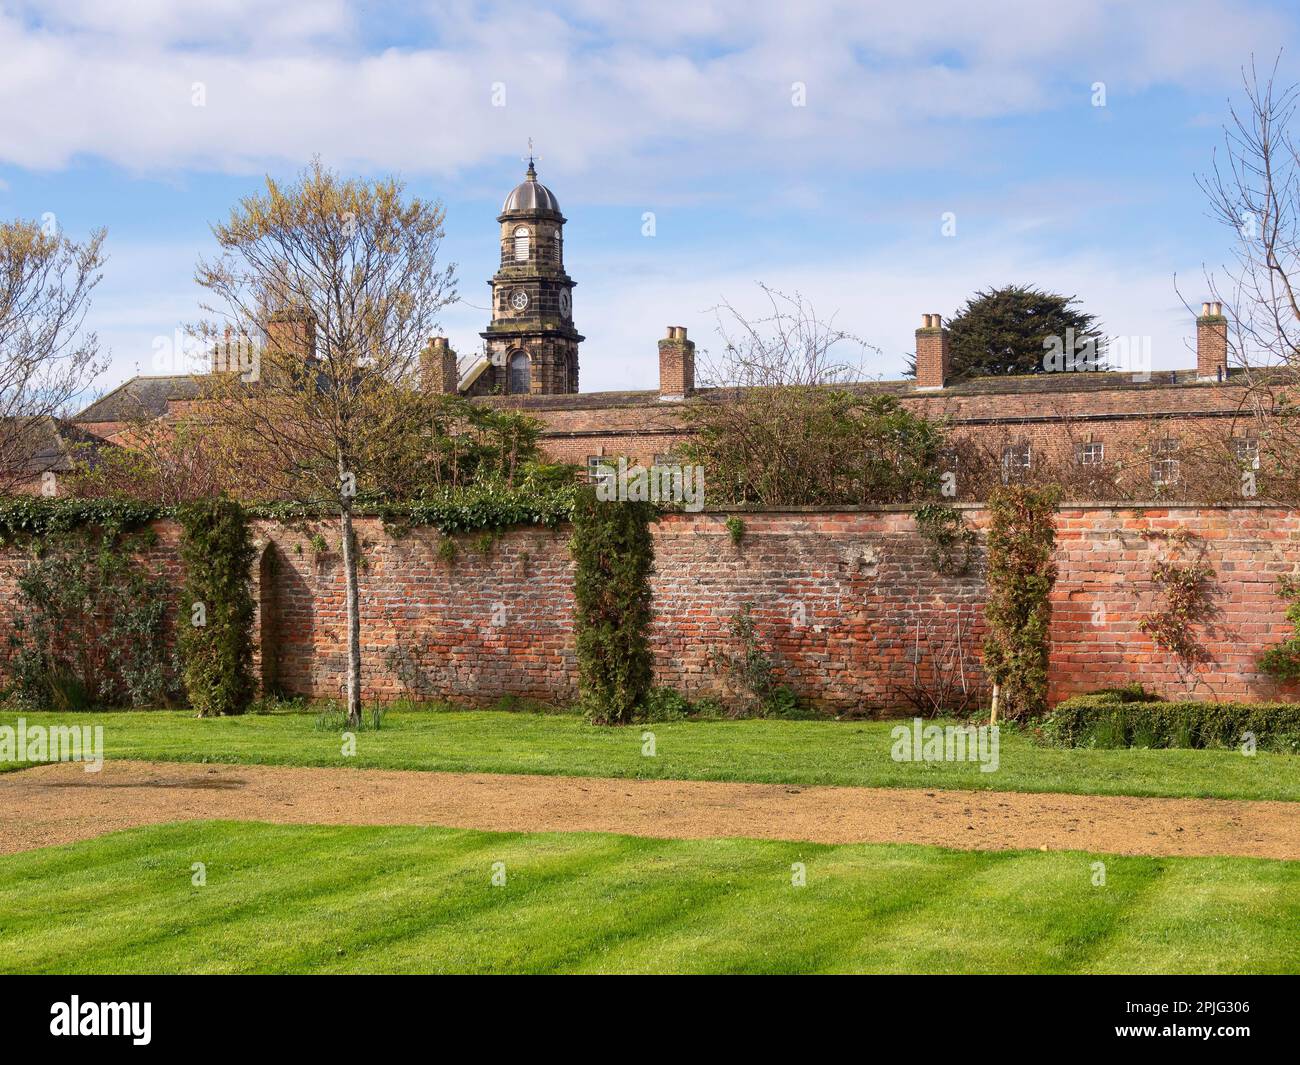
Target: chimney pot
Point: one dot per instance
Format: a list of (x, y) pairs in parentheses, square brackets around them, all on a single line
[(1212, 344), (438, 372), (676, 365), (932, 355)]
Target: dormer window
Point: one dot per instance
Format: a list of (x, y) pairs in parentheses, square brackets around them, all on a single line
[(521, 244)]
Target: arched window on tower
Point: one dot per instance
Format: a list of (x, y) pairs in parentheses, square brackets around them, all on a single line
[(521, 378), (559, 256), (521, 244)]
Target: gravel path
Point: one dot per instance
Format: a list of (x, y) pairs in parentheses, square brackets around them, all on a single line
[(56, 804)]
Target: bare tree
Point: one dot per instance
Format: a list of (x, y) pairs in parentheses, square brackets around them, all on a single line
[(1254, 190), (349, 271), (791, 346), (47, 358), (789, 421)]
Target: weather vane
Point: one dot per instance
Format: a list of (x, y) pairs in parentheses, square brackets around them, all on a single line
[(532, 156)]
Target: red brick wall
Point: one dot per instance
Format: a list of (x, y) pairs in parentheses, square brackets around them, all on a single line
[(838, 600)]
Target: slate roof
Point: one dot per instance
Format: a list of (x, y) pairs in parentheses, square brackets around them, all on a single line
[(142, 397)]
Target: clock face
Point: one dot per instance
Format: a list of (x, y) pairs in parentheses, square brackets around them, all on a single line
[(519, 301), (564, 302)]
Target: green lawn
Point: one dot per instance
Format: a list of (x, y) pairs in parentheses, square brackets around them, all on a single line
[(793, 752), (328, 899)]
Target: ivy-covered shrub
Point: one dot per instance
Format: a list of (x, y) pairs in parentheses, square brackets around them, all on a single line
[(752, 676), (1107, 719), (216, 621), (1283, 661), (614, 558), (1021, 538), (952, 542), (91, 626)]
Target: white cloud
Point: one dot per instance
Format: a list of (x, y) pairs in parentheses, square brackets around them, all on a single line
[(611, 81)]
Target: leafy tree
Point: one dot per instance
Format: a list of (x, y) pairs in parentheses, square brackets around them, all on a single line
[(160, 460), (456, 442), (1009, 330), (351, 269)]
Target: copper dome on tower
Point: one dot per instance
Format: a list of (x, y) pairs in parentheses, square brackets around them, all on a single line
[(530, 195)]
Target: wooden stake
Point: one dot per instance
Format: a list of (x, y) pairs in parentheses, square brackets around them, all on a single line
[(993, 716)]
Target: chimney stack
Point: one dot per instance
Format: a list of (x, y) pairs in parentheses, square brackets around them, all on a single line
[(290, 338), (932, 357), (1211, 343), (676, 365), (438, 371)]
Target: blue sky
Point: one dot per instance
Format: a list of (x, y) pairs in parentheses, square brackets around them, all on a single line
[(683, 109)]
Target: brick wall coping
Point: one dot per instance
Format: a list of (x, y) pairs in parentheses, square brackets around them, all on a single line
[(889, 508)]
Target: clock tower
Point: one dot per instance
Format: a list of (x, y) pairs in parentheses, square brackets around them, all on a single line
[(531, 345)]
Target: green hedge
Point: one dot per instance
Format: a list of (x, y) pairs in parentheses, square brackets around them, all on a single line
[(1125, 718)]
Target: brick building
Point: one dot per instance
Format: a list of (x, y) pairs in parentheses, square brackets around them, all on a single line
[(530, 361)]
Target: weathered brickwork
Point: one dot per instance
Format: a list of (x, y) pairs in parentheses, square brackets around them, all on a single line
[(992, 413), (842, 601)]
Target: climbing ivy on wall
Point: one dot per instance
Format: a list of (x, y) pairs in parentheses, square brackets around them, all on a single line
[(477, 507), (90, 626), (952, 542), (216, 614), (1021, 538), (1184, 600), (614, 558)]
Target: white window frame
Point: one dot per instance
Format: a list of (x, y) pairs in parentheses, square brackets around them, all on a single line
[(1018, 457), (1086, 456)]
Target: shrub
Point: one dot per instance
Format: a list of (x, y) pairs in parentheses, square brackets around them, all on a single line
[(91, 626), (666, 704), (952, 542), (752, 675), (614, 557), (1021, 538), (217, 607), (807, 445), (1107, 719), (1283, 661)]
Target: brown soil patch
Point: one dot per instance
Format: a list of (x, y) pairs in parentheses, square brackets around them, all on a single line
[(56, 804)]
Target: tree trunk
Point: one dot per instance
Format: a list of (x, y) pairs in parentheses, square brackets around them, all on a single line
[(354, 616)]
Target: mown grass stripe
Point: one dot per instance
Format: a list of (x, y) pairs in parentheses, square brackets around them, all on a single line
[(287, 898)]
